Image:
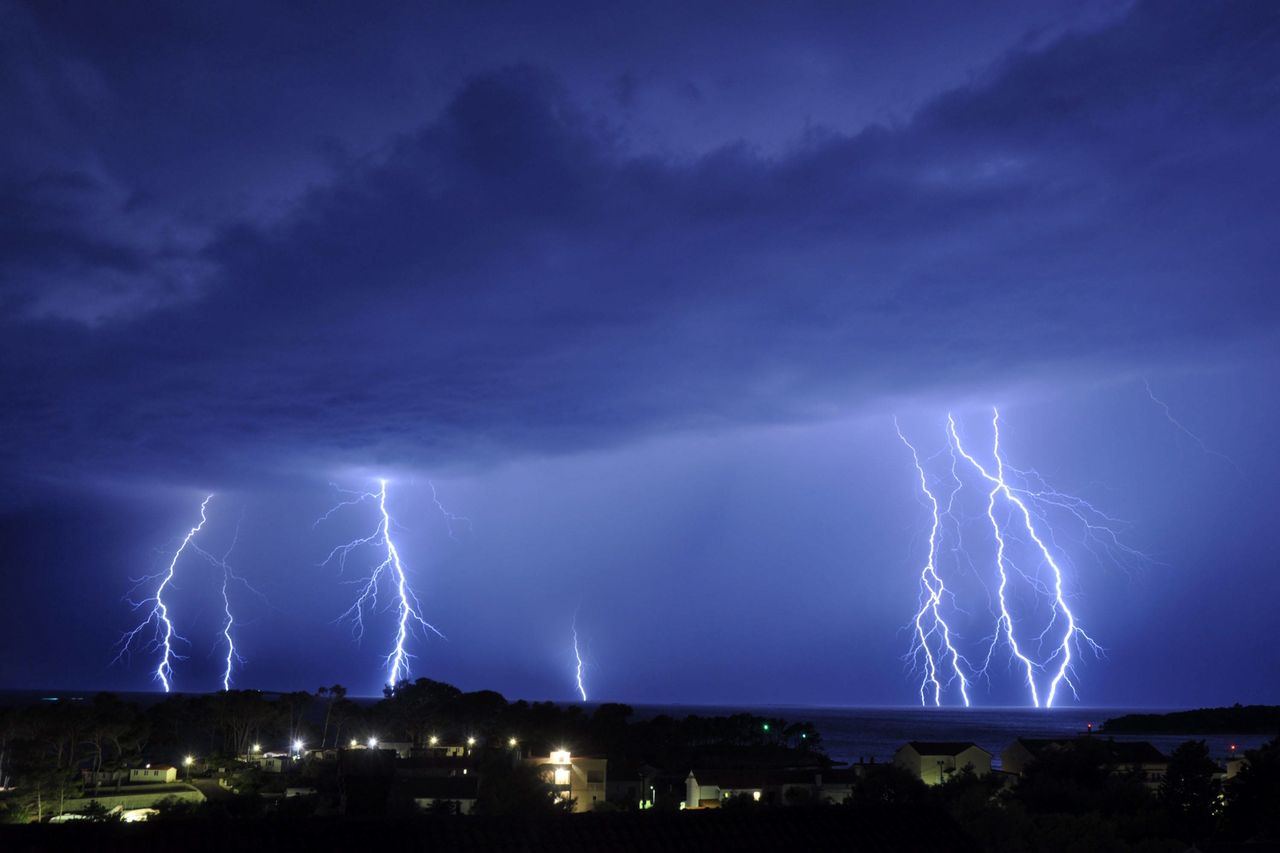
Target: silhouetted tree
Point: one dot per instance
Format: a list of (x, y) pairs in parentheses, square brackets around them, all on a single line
[(334, 694), (1253, 796), (1189, 792)]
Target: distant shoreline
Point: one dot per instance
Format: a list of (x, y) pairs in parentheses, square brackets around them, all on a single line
[(1237, 719)]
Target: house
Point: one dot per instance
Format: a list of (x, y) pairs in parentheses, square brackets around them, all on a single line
[(455, 794), (104, 777), (153, 773), (707, 788), (934, 762), (632, 786), (1119, 757), (402, 749), (836, 784), (578, 778), (271, 762), (727, 784)]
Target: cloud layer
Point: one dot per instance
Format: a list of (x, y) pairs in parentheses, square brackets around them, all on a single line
[(517, 275)]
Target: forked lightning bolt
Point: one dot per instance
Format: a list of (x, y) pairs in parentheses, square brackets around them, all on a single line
[(408, 608), (930, 626), (164, 634), (1018, 507), (228, 576), (1057, 664)]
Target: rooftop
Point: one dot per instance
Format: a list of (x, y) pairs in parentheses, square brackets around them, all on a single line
[(925, 747)]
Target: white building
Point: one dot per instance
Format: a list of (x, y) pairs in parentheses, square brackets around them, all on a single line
[(154, 773), (574, 778), (937, 761)]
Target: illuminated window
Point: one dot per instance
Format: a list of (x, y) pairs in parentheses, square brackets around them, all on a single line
[(562, 776)]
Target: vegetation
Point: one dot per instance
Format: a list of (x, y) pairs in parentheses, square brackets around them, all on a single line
[(1073, 798), (57, 752), (1238, 720)]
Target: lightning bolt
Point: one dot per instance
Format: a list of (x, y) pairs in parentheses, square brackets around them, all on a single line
[(228, 576), (232, 654), (1178, 425), (408, 608), (164, 635), (929, 622), (450, 518), (1058, 663), (577, 655)]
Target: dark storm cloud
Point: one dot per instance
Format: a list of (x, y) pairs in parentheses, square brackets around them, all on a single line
[(515, 274)]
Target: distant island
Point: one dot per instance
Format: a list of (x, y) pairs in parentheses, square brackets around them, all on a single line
[(1238, 719)]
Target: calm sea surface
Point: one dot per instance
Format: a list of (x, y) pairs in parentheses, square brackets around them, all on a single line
[(850, 734)]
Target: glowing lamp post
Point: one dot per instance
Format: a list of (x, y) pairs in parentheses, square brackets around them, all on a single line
[(297, 749), (187, 762), (373, 743)]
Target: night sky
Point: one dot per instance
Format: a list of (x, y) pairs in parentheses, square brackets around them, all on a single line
[(639, 291)]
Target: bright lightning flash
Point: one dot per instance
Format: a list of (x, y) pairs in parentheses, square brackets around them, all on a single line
[(228, 576), (931, 629), (577, 655), (164, 634), (408, 608), (1057, 664)]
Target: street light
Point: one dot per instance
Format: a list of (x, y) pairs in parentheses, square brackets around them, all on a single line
[(187, 762), (433, 740), (471, 741), (257, 747), (511, 742), (373, 743), (297, 748), (354, 743)]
